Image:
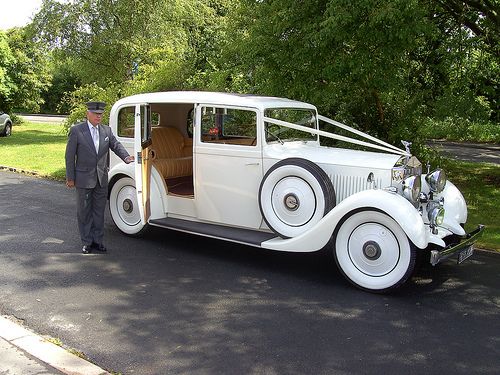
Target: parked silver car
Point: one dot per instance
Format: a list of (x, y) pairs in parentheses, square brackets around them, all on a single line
[(5, 125)]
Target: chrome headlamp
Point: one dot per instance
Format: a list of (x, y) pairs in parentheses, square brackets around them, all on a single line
[(436, 180), (435, 213), (411, 188)]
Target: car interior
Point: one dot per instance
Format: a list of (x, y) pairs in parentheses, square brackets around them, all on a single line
[(172, 142)]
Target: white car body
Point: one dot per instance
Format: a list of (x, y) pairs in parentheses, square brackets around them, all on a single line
[(250, 186)]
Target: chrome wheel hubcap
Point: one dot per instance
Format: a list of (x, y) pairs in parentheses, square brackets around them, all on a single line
[(128, 206), (372, 250), (292, 202)]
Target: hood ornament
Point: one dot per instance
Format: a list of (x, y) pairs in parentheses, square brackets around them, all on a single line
[(407, 149), (407, 146)]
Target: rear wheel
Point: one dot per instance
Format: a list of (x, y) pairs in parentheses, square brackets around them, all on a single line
[(124, 207), (7, 131), (373, 252), (294, 195)]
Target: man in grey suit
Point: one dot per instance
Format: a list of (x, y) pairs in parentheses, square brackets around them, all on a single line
[(87, 166)]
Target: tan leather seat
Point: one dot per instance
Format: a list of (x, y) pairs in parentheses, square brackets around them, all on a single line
[(173, 153)]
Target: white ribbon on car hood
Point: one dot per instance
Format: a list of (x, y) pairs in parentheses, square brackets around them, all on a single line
[(384, 146)]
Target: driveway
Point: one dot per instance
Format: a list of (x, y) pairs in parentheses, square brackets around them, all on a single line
[(51, 119), (465, 151), (171, 303)]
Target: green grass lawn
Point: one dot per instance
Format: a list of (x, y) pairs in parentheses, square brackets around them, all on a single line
[(40, 148), (36, 148), (480, 185)]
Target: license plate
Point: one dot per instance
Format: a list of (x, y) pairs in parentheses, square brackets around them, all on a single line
[(465, 253)]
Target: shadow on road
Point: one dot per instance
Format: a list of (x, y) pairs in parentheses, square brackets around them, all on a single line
[(179, 304)]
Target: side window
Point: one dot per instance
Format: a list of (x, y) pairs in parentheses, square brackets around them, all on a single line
[(303, 117), (190, 122), (145, 125), (228, 126), (126, 122), (155, 118)]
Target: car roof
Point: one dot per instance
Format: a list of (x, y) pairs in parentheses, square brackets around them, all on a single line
[(214, 98)]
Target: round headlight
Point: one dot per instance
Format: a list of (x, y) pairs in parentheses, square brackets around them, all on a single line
[(436, 180), (411, 188), (436, 215)]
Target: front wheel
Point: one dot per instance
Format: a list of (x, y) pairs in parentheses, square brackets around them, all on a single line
[(124, 207), (373, 252)]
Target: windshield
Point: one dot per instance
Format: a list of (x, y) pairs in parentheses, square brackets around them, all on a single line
[(298, 116)]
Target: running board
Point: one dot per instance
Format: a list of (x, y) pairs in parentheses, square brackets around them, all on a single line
[(239, 235)]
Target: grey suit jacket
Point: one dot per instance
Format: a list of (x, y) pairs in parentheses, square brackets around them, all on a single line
[(83, 164)]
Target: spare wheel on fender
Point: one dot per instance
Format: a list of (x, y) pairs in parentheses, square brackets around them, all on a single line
[(294, 195)]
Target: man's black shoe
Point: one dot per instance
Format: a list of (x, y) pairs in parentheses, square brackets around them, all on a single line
[(86, 249), (99, 247)]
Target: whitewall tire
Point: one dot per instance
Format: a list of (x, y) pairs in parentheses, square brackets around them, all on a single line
[(373, 252), (124, 207), (294, 195)]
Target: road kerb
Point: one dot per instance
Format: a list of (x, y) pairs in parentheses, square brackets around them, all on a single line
[(46, 351)]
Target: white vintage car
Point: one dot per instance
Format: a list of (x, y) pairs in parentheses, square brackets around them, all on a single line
[(252, 170)]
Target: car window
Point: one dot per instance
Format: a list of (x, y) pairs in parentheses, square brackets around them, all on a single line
[(126, 120), (229, 126), (190, 122), (298, 116)]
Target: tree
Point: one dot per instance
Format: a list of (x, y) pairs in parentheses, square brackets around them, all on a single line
[(111, 40), (106, 39), (480, 17), (6, 84), (351, 58), (25, 72), (465, 52), (378, 65), (64, 81), (129, 46)]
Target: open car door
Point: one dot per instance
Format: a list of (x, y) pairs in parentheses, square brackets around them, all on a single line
[(142, 149)]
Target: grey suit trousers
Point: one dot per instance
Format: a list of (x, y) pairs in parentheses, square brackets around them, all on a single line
[(91, 204)]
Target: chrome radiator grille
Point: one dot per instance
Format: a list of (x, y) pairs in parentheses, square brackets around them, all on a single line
[(348, 185)]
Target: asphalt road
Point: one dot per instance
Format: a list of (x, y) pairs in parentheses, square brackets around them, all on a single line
[(51, 119), (466, 151), (177, 304)]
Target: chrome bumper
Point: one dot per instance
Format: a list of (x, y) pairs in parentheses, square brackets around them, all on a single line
[(468, 243)]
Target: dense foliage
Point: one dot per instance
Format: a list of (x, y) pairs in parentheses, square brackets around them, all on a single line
[(24, 73), (350, 58), (386, 67)]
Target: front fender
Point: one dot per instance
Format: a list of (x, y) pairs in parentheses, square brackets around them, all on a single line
[(455, 209), (158, 189), (122, 169), (394, 205)]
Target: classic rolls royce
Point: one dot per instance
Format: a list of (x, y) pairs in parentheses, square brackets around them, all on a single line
[(262, 171)]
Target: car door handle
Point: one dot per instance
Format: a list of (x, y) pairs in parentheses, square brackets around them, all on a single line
[(252, 164)]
